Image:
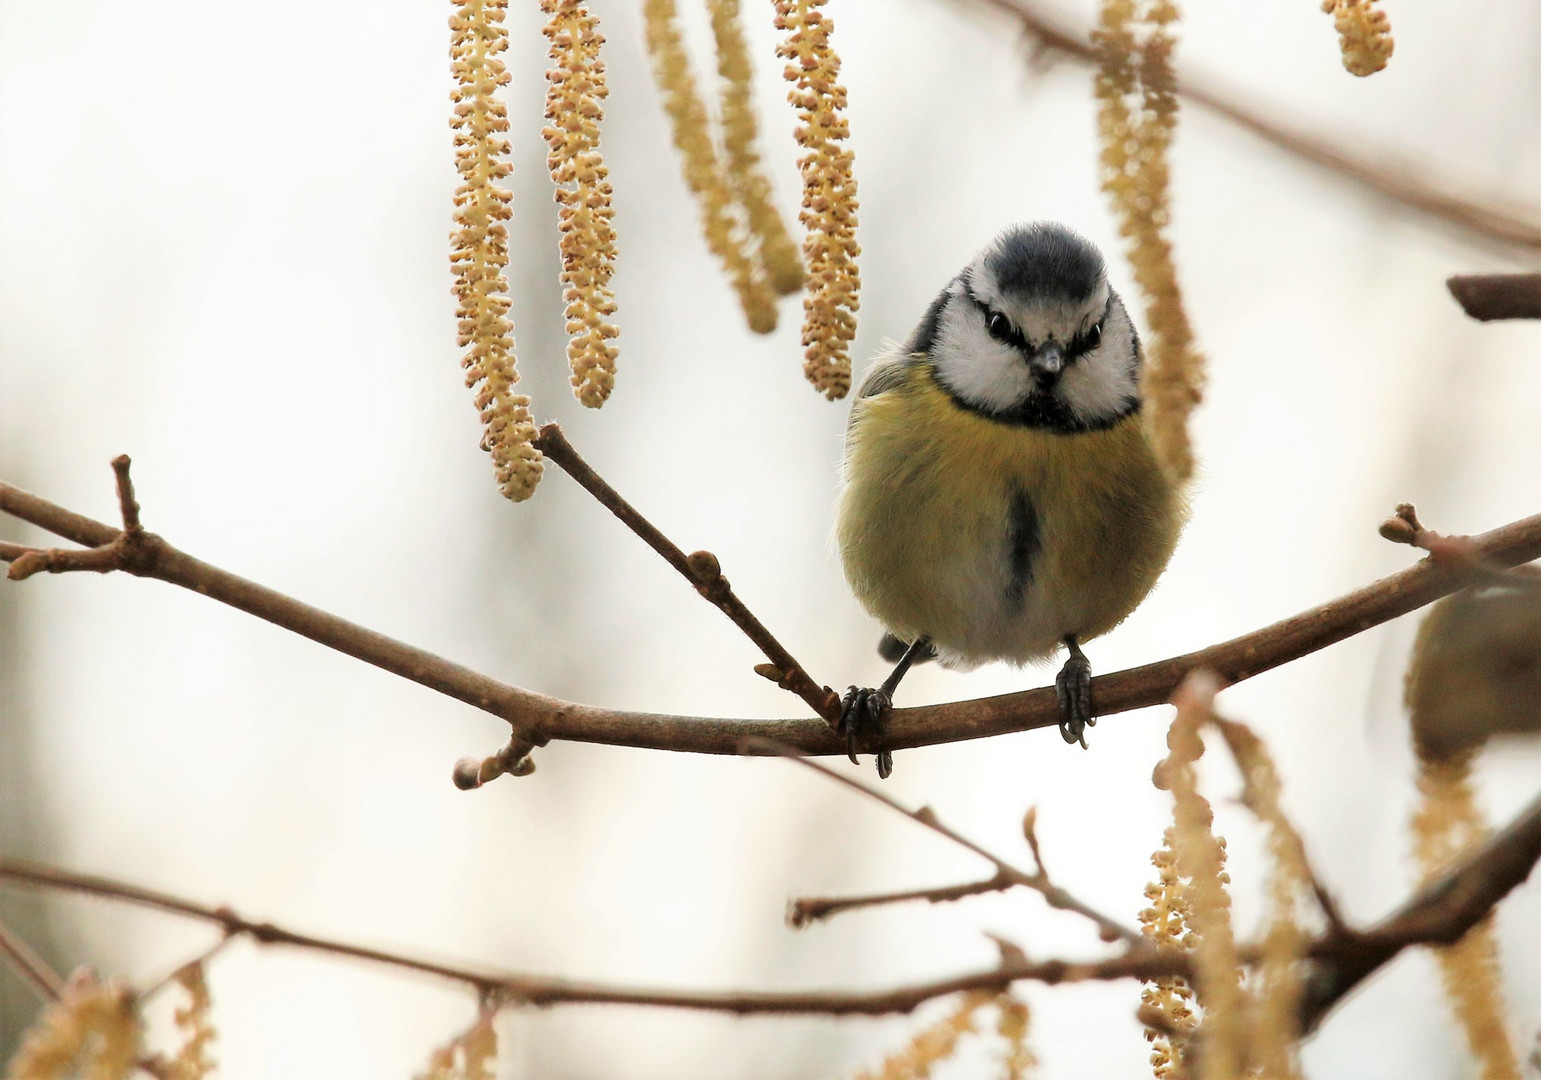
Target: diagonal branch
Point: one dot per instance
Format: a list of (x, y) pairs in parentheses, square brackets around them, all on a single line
[(539, 719), (1385, 177), (32, 968), (1438, 914), (701, 569)]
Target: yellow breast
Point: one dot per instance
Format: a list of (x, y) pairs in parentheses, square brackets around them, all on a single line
[(925, 524)]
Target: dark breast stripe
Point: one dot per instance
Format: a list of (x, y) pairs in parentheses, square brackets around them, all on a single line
[(1023, 542)]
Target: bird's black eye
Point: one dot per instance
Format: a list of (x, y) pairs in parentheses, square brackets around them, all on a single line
[(1094, 336), (999, 327)]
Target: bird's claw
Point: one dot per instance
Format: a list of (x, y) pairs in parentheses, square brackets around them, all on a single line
[(1073, 687), (861, 713)]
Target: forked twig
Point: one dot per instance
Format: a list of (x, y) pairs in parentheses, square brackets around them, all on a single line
[(1109, 929), (1439, 913)]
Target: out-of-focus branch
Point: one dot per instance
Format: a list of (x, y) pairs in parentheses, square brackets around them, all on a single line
[(1439, 914), (1037, 880), (1497, 296), (1488, 220), (32, 968), (538, 719), (508, 987)]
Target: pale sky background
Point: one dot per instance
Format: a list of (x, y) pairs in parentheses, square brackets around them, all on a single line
[(223, 250)]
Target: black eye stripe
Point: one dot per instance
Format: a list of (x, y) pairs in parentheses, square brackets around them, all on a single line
[(1077, 347)]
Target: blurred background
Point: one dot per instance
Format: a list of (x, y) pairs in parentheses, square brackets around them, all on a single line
[(223, 250)]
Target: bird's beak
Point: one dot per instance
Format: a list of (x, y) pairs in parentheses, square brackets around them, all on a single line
[(1046, 363)]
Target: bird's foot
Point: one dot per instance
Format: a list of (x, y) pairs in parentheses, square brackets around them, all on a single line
[(861, 716), (1073, 686)]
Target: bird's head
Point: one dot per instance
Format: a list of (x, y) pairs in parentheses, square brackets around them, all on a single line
[(1031, 332)]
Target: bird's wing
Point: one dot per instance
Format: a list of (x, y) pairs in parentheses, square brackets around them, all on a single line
[(888, 373)]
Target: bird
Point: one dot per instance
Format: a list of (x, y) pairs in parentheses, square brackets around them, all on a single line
[(1000, 494)]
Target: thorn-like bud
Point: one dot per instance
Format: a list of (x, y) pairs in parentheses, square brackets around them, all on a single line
[(771, 672), (1012, 954), (1029, 826)]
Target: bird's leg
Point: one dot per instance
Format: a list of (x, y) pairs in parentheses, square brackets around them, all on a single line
[(1073, 686), (862, 708)]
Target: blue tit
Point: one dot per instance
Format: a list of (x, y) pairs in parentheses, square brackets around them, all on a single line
[(1001, 497)]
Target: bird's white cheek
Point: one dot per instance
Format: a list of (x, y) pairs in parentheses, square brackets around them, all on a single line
[(1099, 384), (978, 368)]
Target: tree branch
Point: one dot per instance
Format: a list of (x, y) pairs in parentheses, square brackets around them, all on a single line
[(538, 719), (701, 570), (1385, 177), (1497, 296), (1438, 914), (1038, 881), (509, 987), (804, 910), (32, 968)]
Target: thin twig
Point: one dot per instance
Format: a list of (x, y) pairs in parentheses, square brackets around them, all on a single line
[(699, 568), (1038, 881), (1497, 296), (1459, 551), (804, 910), (540, 718), (1380, 174), (33, 969)]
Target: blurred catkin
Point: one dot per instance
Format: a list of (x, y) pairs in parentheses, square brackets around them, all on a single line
[(726, 235), (1275, 1029), (197, 1030), (93, 1031), (1475, 672), (931, 1045), (479, 245), (1200, 859), (1364, 34), (1019, 1061), (1446, 824), (782, 264), (829, 195), (1137, 116), (471, 1055), (575, 88)]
